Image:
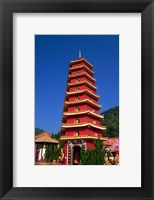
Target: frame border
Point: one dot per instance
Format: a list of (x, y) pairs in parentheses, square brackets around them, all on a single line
[(7, 8)]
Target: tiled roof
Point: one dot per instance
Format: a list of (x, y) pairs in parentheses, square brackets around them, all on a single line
[(83, 112), (81, 60), (80, 67), (46, 139), (42, 135), (111, 141), (83, 82), (66, 125), (83, 101), (83, 74), (84, 91)]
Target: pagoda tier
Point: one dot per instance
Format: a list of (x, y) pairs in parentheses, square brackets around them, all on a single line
[(86, 130), (82, 75), (86, 91), (86, 83), (81, 61), (80, 68), (89, 112), (83, 124), (80, 102), (80, 120)]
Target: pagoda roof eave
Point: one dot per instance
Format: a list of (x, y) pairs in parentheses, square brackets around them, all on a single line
[(83, 101), (80, 60), (83, 91), (82, 82), (83, 125), (80, 67), (82, 74), (83, 137), (83, 112)]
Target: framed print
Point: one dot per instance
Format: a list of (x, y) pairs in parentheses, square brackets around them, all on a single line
[(56, 139), (79, 134)]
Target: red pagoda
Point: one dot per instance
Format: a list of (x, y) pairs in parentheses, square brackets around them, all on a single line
[(81, 120)]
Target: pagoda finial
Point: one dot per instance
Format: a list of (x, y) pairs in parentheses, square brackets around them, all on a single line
[(79, 54)]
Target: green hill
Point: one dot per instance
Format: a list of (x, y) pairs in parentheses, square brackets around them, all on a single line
[(111, 120), (38, 131)]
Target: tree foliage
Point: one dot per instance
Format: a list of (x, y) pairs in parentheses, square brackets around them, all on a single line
[(111, 121), (56, 135), (52, 152), (92, 156)]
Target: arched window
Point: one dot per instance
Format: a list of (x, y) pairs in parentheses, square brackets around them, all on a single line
[(94, 122), (77, 98), (76, 133), (77, 109), (77, 89), (95, 134), (77, 80), (77, 121)]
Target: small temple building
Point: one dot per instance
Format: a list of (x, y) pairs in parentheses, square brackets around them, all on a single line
[(81, 120), (41, 142)]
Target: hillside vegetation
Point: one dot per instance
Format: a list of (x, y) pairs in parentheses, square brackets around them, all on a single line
[(38, 131), (111, 120)]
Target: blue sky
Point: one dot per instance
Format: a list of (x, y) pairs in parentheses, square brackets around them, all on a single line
[(53, 54)]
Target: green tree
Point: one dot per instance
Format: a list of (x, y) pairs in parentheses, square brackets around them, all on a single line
[(82, 156), (92, 156), (52, 152), (98, 152), (56, 135), (49, 153)]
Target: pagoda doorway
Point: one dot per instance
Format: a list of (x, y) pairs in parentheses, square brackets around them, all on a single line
[(76, 155)]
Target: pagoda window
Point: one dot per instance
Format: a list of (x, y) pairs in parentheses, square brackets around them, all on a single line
[(77, 80), (77, 89), (76, 133), (77, 121), (77, 98), (95, 134), (77, 109), (94, 122), (77, 73)]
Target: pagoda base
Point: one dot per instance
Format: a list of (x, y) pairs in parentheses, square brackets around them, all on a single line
[(72, 149)]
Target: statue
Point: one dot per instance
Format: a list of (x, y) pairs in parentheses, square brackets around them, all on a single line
[(111, 159), (62, 154), (61, 157), (106, 159), (117, 159), (54, 162)]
